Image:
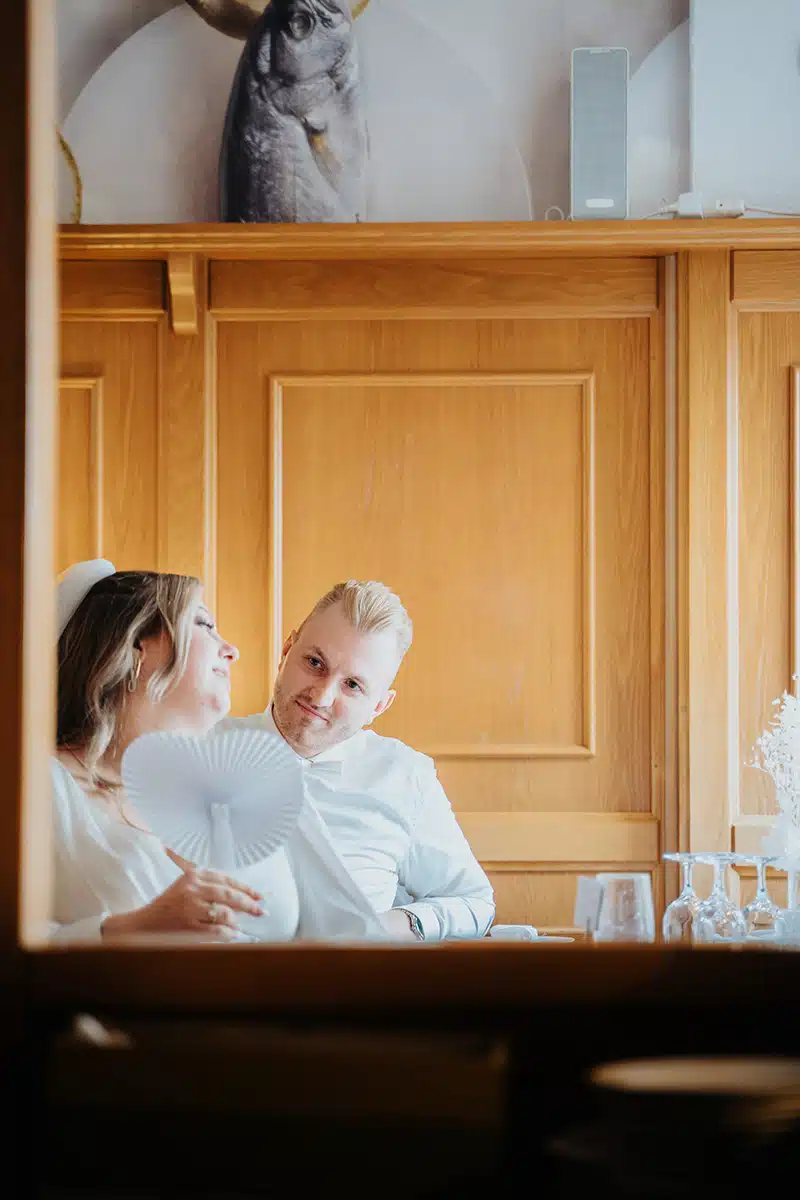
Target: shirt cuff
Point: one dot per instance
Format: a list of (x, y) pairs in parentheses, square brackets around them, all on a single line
[(90, 929), (426, 913)]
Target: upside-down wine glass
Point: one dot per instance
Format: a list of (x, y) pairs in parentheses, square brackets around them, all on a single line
[(678, 919), (761, 913), (717, 918)]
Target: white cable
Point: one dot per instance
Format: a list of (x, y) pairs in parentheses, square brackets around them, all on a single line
[(674, 209), (666, 210), (671, 210), (772, 212)]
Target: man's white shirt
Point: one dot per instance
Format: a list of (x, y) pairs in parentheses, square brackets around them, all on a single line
[(394, 828)]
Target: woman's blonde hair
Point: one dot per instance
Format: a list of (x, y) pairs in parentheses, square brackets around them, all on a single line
[(370, 607), (98, 657)]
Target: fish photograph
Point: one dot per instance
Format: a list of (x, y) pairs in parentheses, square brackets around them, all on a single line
[(294, 146)]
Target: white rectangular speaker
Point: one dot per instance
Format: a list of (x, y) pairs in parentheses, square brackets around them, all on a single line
[(598, 144)]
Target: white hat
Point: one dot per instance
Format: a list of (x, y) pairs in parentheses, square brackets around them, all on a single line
[(74, 585)]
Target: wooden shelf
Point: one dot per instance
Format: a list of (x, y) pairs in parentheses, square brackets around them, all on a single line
[(420, 241)]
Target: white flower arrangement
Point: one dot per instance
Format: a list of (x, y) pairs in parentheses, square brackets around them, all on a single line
[(777, 753)]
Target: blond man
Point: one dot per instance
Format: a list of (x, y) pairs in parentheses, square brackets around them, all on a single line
[(382, 802)]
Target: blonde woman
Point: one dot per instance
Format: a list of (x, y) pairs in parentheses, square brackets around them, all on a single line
[(139, 652)]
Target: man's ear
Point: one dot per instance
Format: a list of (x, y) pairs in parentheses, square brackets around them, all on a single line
[(383, 705), (287, 645)]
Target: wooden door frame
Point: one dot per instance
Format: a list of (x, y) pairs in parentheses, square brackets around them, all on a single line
[(28, 350), (325, 978)]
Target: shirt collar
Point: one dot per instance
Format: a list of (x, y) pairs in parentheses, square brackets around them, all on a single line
[(339, 753)]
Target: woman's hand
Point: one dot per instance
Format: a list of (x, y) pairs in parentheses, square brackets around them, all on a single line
[(199, 902)]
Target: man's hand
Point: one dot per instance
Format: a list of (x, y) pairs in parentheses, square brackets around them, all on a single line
[(396, 923)]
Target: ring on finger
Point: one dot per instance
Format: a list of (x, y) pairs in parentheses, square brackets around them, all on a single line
[(213, 912)]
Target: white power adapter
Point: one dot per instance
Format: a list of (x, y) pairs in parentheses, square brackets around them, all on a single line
[(727, 208), (690, 204)]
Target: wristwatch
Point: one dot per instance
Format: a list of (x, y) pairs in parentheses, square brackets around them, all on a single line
[(415, 924)]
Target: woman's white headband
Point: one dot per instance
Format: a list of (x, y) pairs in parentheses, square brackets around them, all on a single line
[(76, 583)]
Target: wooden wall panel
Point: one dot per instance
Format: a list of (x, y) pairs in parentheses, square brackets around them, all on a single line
[(521, 896), (322, 542), (703, 554), (187, 441), (519, 287), (136, 424), (475, 493), (767, 313), (561, 837), (769, 357), (502, 476), (119, 290), (126, 357), (769, 402), (505, 476), (766, 280), (549, 895), (80, 471)]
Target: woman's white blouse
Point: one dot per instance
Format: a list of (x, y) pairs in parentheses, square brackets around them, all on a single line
[(105, 866)]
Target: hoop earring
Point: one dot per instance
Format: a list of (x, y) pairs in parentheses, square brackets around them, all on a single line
[(135, 673)]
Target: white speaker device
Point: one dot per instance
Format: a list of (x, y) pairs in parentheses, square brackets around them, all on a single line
[(598, 143)]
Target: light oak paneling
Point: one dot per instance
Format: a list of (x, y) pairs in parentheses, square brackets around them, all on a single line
[(767, 299), (767, 316), (79, 524), (126, 480), (794, 522), (549, 895), (663, 599), (432, 291), (151, 487), (769, 348), (704, 514), (505, 476), (521, 895), (507, 479), (562, 837), (187, 445), (767, 279), (529, 440), (102, 290), (356, 510)]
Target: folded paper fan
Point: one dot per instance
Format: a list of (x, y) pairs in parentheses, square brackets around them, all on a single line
[(225, 800)]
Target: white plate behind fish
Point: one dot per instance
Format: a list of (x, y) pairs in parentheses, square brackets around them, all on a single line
[(146, 128)]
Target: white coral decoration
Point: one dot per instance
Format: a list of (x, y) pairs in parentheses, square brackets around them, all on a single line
[(777, 752)]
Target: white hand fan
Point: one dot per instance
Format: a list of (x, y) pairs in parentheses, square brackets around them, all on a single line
[(225, 800)]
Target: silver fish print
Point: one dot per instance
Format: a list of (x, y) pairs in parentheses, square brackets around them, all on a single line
[(294, 146)]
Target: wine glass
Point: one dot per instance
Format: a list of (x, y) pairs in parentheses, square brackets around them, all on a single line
[(717, 918), (761, 913), (679, 916)]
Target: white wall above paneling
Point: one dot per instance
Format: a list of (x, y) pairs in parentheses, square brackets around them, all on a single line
[(88, 31), (746, 101), (468, 105)]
